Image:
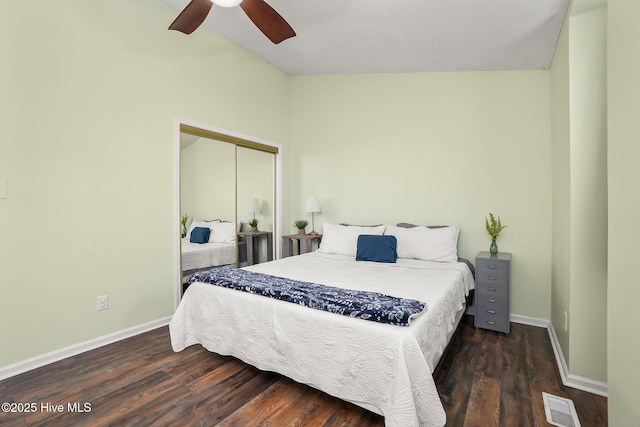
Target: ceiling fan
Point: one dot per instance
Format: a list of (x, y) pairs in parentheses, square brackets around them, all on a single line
[(263, 16)]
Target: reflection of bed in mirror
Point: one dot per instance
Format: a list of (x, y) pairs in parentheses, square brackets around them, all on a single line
[(218, 247)]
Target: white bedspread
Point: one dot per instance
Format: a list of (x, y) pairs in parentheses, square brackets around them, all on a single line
[(381, 367), (199, 255)]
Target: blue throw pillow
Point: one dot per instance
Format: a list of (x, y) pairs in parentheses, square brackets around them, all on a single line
[(200, 235), (377, 248)]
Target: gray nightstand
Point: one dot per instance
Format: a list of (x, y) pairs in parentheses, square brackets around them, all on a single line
[(304, 243), (492, 291)]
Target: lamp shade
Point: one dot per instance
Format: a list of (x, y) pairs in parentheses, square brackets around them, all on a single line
[(254, 206), (313, 205)]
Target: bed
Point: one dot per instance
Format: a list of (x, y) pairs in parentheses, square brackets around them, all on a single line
[(197, 256), (206, 251), (382, 367)]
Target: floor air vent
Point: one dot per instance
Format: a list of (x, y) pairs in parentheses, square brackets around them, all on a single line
[(560, 411)]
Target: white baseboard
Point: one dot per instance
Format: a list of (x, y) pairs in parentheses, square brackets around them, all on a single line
[(568, 379), (572, 380), (47, 358), (531, 321)]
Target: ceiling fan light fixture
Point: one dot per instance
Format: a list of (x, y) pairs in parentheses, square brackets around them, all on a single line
[(259, 12), (226, 3)]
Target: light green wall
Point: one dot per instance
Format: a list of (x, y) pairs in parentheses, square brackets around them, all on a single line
[(90, 91), (579, 263), (561, 206), (208, 180), (433, 148), (588, 172), (623, 77)]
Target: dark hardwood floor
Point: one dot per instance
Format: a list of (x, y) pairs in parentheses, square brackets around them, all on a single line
[(485, 379), (491, 379)]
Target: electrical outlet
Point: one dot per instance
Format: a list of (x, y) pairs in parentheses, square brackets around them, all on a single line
[(566, 322), (102, 303)]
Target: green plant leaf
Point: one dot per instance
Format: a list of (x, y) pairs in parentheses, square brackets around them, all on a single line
[(493, 225), (301, 224)]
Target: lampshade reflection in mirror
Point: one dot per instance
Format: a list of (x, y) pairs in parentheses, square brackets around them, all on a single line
[(254, 207)]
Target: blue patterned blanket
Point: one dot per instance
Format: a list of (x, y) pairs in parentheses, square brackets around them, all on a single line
[(359, 304)]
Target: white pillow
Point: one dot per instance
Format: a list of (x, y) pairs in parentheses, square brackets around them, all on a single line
[(427, 244), (222, 232), (343, 239)]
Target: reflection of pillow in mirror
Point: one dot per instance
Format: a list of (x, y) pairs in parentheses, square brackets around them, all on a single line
[(343, 239), (222, 232), (428, 244), (239, 224), (195, 224), (200, 235)]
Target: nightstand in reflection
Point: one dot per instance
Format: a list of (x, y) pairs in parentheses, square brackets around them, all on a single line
[(253, 245)]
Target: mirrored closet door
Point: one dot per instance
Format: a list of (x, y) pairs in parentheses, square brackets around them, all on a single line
[(256, 197), (227, 200)]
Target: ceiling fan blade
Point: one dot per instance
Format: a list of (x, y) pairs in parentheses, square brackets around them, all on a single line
[(191, 16), (267, 20)]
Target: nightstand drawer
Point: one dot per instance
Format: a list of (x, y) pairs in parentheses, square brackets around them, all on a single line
[(492, 288), (495, 323), (492, 276), (497, 303), (488, 266)]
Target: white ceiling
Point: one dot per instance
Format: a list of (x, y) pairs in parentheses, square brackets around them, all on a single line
[(376, 36)]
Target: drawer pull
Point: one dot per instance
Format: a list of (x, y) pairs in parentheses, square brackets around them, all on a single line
[(492, 267), (491, 322), (492, 278), (491, 300), (491, 311), (492, 289)]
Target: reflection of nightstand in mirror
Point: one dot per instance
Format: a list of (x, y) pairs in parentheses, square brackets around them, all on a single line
[(253, 245), (304, 243)]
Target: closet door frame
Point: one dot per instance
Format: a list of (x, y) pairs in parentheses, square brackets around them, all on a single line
[(240, 140)]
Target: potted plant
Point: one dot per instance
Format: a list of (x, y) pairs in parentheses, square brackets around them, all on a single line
[(254, 224), (301, 224), (183, 221), (494, 227)]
